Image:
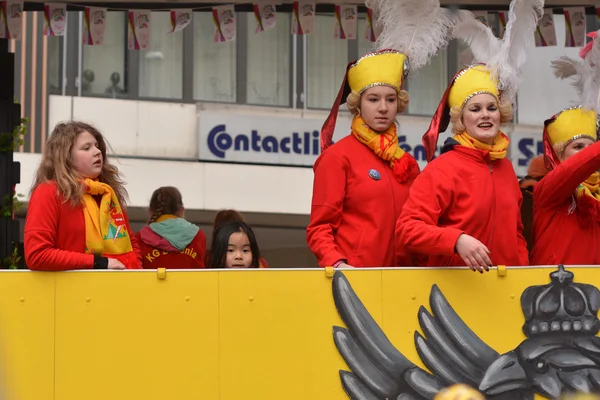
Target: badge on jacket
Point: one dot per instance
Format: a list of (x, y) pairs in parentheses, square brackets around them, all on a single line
[(374, 174)]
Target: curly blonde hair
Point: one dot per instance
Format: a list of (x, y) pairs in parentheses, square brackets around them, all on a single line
[(353, 102), (456, 113), (57, 165)]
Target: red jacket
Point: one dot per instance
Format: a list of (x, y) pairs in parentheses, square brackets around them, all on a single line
[(55, 234), (158, 252), (353, 215), (560, 237), (463, 192)]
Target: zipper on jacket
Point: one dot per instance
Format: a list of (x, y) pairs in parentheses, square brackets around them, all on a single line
[(493, 208)]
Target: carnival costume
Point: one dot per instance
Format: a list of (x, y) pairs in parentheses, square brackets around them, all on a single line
[(471, 188), (566, 202), (362, 181)]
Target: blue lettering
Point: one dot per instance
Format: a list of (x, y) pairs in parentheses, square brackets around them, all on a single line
[(270, 144), (217, 141), (306, 143), (524, 145), (420, 154), (316, 143), (241, 143), (285, 145), (297, 141), (255, 141)]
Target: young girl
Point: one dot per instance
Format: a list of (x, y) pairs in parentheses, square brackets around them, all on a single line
[(169, 241), (76, 217), (234, 246)]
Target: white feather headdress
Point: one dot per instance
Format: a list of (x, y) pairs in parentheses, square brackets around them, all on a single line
[(586, 74), (416, 28), (504, 57)]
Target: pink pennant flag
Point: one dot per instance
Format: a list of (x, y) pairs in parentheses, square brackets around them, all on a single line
[(370, 28), (303, 18), (502, 20), (224, 20), (265, 14), (55, 17), (574, 27), (138, 32), (345, 21), (180, 19), (545, 33), (11, 14), (94, 23)]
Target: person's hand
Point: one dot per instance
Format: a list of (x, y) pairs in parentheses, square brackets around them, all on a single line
[(344, 265), (115, 264), (473, 252)]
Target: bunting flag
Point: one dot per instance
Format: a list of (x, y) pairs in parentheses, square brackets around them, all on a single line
[(94, 23), (11, 13), (574, 27), (303, 18), (138, 32), (224, 20), (370, 27), (545, 34), (346, 21), (55, 18), (180, 19), (265, 14), (502, 20)]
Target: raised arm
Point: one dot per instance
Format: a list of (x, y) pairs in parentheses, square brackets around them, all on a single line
[(560, 183)]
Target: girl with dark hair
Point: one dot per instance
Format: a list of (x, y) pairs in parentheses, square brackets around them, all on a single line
[(234, 246), (76, 217), (169, 241)]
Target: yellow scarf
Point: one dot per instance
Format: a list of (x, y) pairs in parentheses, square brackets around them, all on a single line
[(497, 150), (385, 146), (105, 229), (590, 187)]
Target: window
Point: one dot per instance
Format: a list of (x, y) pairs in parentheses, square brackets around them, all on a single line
[(268, 65), (327, 58), (161, 65), (54, 64), (104, 66), (427, 85), (364, 45), (214, 63)]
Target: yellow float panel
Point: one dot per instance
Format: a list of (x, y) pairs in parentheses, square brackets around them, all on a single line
[(227, 335)]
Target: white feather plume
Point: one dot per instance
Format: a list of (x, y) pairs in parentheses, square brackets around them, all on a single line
[(479, 37), (504, 57), (417, 28), (585, 74)]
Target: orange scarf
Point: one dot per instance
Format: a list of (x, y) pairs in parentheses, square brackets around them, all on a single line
[(497, 150), (105, 229), (385, 146)]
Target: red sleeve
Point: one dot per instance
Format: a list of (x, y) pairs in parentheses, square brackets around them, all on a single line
[(560, 183), (521, 242), (429, 197), (41, 227), (134, 243), (329, 190)]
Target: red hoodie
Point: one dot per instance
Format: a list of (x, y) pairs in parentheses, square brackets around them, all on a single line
[(159, 252)]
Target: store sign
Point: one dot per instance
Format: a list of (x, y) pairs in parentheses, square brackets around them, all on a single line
[(261, 139)]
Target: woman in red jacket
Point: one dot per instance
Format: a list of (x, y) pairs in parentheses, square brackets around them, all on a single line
[(76, 216), (464, 208), (169, 241), (362, 181), (566, 202)]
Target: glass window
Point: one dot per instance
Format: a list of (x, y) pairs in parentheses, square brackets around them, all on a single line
[(268, 65), (214, 63), (104, 66), (54, 64), (364, 45), (161, 65), (327, 58), (427, 86)]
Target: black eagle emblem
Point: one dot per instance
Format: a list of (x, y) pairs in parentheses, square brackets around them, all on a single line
[(560, 355)]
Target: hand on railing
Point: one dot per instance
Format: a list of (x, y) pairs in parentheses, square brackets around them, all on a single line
[(115, 264), (473, 252)]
